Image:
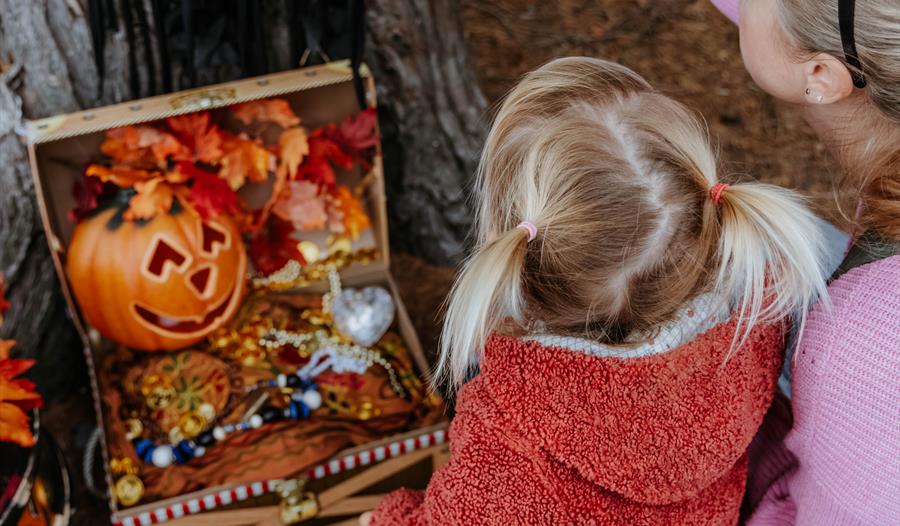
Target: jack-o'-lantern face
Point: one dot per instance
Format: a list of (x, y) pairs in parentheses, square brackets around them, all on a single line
[(164, 284)]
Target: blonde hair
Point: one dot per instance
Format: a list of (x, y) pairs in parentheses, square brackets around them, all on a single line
[(616, 177), (812, 26)]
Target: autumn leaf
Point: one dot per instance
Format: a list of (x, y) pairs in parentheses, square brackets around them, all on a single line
[(201, 137), (276, 111), (292, 148), (273, 247), (120, 175), (142, 146), (302, 205), (359, 132), (244, 159), (17, 395), (88, 192), (153, 197), (15, 426), (324, 153), (346, 214), (210, 195)]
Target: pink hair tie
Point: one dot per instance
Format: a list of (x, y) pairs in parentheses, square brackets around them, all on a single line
[(716, 192), (529, 227)]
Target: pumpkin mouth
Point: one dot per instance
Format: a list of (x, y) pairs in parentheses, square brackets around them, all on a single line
[(184, 326)]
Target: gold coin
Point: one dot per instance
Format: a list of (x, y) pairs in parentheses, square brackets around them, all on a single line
[(129, 490), (160, 397), (191, 424), (367, 410)]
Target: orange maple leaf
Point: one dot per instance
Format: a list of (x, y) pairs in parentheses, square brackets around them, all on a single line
[(346, 214), (5, 346), (142, 145), (293, 147), (277, 111), (195, 131), (120, 175), (17, 395), (244, 159), (153, 197), (15, 426)]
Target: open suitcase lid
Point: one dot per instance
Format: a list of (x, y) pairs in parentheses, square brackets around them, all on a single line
[(77, 136)]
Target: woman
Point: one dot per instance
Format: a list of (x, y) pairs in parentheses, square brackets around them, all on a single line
[(840, 462)]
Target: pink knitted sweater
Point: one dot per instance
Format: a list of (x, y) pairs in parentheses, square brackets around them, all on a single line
[(840, 463)]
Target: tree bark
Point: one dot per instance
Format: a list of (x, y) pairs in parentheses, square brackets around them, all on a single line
[(431, 114)]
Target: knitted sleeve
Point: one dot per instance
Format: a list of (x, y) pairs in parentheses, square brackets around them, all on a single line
[(846, 406)]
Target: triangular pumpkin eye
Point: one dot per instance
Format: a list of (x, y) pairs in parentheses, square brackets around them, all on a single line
[(211, 237), (162, 254)]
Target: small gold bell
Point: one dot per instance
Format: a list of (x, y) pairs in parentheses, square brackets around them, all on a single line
[(296, 505)]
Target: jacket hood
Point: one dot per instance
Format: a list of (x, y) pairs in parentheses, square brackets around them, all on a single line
[(655, 429)]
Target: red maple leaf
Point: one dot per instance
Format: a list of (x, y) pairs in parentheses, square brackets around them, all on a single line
[(87, 192), (359, 132), (273, 247), (324, 153), (210, 195)]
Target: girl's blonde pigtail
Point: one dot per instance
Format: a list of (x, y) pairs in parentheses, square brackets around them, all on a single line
[(771, 254), (487, 291)]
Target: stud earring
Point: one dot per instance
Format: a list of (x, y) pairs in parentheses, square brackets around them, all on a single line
[(807, 91), (819, 98)]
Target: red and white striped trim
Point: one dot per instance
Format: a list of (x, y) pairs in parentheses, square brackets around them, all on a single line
[(214, 500)]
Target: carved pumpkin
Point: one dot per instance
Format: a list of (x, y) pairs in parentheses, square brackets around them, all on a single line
[(157, 285)]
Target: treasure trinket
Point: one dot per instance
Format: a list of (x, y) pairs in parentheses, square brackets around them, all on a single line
[(129, 490), (296, 505), (161, 284), (362, 315)]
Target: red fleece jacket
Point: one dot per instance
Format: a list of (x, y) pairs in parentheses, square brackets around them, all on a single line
[(553, 436)]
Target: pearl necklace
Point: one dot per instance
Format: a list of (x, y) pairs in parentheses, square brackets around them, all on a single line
[(340, 357)]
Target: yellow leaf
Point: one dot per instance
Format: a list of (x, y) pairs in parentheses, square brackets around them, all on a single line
[(153, 197), (293, 147)]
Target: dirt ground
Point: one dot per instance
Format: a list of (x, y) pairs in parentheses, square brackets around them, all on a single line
[(685, 48)]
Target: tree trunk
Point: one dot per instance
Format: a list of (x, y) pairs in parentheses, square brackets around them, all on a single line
[(431, 114), (433, 122)]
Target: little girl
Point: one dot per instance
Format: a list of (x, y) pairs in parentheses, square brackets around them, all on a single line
[(625, 309)]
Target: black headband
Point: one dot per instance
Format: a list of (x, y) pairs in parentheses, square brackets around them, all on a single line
[(846, 9)]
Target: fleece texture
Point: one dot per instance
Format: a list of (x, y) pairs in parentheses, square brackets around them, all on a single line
[(546, 435)]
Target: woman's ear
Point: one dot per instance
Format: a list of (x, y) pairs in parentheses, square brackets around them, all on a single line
[(827, 80)]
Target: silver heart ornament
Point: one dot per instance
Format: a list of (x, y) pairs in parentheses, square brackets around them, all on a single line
[(363, 315)]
